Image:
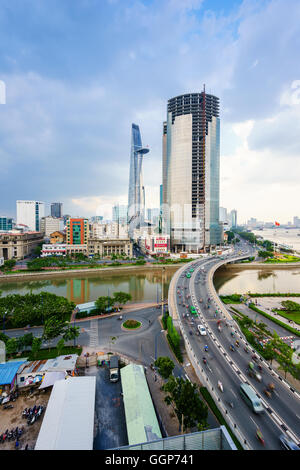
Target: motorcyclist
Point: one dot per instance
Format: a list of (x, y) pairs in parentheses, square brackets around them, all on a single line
[(259, 435), (204, 360), (206, 348)]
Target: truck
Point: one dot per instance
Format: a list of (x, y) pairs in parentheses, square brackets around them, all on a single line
[(114, 368)]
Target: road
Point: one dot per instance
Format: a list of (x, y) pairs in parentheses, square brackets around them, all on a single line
[(282, 411)]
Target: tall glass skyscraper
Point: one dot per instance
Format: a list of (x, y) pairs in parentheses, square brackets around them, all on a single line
[(136, 192), (56, 209), (191, 167)]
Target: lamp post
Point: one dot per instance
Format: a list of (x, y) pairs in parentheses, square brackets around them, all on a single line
[(162, 291), (5, 313), (156, 336)]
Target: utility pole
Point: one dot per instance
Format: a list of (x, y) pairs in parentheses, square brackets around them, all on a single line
[(162, 291)]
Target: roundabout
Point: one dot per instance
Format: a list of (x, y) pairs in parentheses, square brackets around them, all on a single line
[(131, 325)]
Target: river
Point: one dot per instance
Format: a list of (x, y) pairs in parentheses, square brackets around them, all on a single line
[(290, 237), (145, 285)]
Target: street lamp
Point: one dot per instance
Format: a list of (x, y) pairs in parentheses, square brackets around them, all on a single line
[(162, 291), (5, 313), (156, 336)]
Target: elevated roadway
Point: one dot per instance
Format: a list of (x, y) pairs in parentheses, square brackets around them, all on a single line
[(281, 411)]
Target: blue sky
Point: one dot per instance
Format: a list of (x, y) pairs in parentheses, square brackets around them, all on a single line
[(78, 73)]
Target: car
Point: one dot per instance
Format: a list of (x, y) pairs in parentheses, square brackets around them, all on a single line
[(287, 444), (202, 330)]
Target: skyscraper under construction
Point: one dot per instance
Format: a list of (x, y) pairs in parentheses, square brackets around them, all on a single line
[(191, 172)]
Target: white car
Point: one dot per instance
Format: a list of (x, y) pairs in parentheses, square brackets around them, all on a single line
[(202, 330)]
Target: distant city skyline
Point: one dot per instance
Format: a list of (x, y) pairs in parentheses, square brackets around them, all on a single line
[(64, 129)]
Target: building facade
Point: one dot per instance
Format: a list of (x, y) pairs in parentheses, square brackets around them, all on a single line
[(155, 244), (77, 231), (191, 165), (49, 249), (30, 213), (50, 224), (57, 237), (15, 245), (119, 214), (56, 209), (105, 248), (6, 224), (136, 191)]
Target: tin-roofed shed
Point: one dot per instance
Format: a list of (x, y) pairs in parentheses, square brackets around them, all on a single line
[(141, 421)]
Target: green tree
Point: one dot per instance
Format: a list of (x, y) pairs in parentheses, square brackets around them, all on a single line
[(104, 302), (165, 366), (122, 298), (11, 346), (71, 333), (8, 264), (36, 346), (53, 328), (60, 346), (183, 395)]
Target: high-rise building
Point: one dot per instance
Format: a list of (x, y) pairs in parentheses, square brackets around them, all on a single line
[(119, 214), (56, 209), (30, 213), (191, 165), (233, 218), (223, 215), (136, 192), (51, 224), (77, 231), (6, 224)]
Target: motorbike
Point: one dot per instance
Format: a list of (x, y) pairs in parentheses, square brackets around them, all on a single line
[(237, 343), (206, 348), (246, 349), (260, 436), (219, 328), (220, 385), (204, 360), (232, 348), (8, 407)]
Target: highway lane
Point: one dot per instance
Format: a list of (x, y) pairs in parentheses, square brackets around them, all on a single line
[(217, 369), (287, 414), (283, 402)]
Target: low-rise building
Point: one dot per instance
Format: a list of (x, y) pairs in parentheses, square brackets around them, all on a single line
[(53, 250), (107, 247), (72, 250), (16, 245), (155, 244), (57, 237)]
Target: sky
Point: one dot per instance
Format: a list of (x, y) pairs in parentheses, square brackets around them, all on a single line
[(78, 73)]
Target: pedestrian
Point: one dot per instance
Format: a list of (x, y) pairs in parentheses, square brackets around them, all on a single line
[(155, 378), (17, 444)]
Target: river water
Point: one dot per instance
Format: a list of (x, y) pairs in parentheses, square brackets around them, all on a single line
[(142, 285), (289, 237), (146, 285)]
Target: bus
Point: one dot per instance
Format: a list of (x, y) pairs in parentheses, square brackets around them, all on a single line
[(193, 310), (251, 399)]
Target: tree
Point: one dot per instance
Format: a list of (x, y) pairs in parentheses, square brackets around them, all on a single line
[(60, 346), (53, 328), (104, 302), (11, 346), (122, 298), (8, 264), (71, 333), (165, 366), (36, 346), (184, 397)]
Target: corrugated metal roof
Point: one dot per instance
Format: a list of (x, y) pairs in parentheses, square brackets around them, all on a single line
[(8, 371), (141, 421), (68, 423)]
